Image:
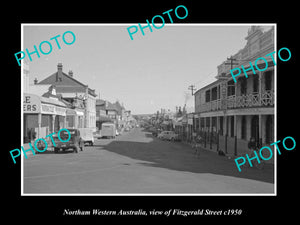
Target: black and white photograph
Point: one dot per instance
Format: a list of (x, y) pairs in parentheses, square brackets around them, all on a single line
[(159, 114)]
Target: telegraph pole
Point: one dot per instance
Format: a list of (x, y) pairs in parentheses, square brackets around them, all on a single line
[(231, 62), (192, 88)]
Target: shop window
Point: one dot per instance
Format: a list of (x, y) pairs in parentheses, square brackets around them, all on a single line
[(70, 121), (207, 122), (255, 128), (269, 129), (232, 126), (221, 125)]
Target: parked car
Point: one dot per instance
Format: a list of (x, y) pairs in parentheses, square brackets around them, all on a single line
[(75, 142), (156, 132), (168, 135), (152, 129)]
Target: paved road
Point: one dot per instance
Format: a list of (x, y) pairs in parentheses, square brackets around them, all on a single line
[(137, 163)]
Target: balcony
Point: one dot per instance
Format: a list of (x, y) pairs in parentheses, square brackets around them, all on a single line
[(264, 99), (211, 106)]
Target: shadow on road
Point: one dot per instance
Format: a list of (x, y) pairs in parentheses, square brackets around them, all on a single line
[(180, 156)]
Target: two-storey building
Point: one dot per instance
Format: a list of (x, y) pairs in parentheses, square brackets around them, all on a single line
[(229, 113), (78, 94)]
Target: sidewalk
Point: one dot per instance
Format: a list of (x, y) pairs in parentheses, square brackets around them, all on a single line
[(228, 155)]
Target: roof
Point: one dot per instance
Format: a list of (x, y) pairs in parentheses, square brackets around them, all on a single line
[(64, 81), (61, 78), (111, 106), (68, 89), (100, 102), (52, 101), (208, 85)]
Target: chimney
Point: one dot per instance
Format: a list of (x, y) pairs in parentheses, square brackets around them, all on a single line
[(35, 81), (59, 72), (70, 73)]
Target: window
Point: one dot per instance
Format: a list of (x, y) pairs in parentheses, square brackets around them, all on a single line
[(255, 84), (232, 126), (207, 96), (243, 83), (214, 93), (230, 88), (268, 80)]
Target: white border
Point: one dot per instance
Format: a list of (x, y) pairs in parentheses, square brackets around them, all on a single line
[(153, 194)]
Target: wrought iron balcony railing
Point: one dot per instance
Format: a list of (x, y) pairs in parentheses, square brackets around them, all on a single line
[(255, 99)]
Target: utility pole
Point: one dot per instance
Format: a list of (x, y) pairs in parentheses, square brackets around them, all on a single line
[(192, 88), (231, 62)]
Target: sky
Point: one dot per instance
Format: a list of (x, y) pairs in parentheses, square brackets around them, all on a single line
[(146, 74)]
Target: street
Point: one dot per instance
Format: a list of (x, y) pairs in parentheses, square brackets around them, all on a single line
[(138, 163)]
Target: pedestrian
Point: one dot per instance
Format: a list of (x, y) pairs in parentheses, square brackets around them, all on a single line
[(251, 144)]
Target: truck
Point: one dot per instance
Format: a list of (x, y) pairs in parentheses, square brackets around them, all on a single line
[(87, 135), (108, 130)]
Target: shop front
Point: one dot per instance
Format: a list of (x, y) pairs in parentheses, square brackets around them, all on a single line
[(74, 118), (31, 116), (41, 116)]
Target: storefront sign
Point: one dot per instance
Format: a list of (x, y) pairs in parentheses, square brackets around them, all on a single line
[(60, 111), (47, 109), (52, 109), (31, 103)]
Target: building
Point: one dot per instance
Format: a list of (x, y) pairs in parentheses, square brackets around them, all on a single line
[(77, 94), (101, 113), (43, 112), (227, 113), (114, 113)]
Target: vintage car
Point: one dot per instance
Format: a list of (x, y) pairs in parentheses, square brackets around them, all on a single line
[(75, 142), (168, 135)]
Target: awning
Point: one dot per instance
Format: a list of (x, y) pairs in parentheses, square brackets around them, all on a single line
[(36, 104), (74, 112)]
